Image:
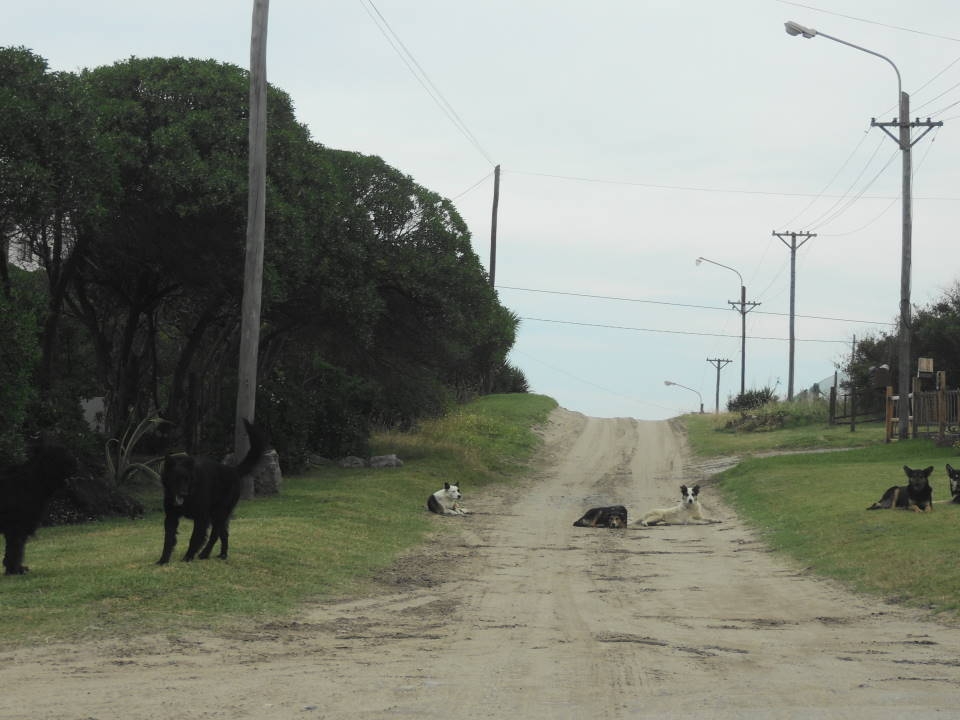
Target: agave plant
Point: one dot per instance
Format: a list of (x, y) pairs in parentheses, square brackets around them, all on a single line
[(119, 452)]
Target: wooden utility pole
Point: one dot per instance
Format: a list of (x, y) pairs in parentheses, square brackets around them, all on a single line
[(493, 227), (902, 138), (743, 310), (792, 246), (256, 220), (718, 363)]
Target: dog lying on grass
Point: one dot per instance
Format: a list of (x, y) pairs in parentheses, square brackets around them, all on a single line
[(206, 491), (445, 501), (954, 476), (612, 516), (688, 510), (916, 495), (25, 491)]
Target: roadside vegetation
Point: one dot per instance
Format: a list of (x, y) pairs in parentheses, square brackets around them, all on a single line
[(326, 534), (812, 506)]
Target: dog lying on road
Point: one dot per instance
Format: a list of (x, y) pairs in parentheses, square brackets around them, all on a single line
[(954, 476), (612, 516), (444, 502), (686, 511), (916, 495)]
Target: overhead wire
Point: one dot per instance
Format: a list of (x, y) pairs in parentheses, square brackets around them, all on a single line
[(421, 76), (682, 305), (869, 22), (844, 341)]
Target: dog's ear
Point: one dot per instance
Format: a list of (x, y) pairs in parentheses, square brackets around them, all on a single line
[(906, 470), (446, 486), (683, 489), (696, 489), (949, 469), (927, 471)]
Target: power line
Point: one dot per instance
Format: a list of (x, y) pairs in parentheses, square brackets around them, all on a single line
[(694, 188), (870, 22), (420, 74), (676, 332), (685, 305)]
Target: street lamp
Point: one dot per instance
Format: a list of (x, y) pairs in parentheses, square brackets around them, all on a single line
[(668, 383), (743, 319), (903, 141)]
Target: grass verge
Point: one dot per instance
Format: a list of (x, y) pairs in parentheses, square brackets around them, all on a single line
[(326, 534), (812, 508)]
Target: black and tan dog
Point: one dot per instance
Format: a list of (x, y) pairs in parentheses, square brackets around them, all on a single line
[(612, 516), (916, 495), (954, 475)]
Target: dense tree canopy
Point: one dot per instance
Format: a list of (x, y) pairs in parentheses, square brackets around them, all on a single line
[(127, 184)]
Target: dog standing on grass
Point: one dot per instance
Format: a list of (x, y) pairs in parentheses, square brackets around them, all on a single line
[(445, 501), (206, 491), (25, 491), (916, 495), (686, 511)]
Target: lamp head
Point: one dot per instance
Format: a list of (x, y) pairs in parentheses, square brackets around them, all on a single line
[(794, 28), (699, 260), (668, 383)]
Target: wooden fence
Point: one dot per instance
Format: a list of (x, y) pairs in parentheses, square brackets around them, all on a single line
[(932, 413)]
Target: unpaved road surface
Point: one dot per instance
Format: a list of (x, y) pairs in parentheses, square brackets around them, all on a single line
[(518, 614)]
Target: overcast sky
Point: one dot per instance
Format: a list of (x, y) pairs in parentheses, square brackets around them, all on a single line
[(633, 137)]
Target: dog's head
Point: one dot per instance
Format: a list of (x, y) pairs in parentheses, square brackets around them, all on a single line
[(177, 478), (688, 495), (954, 476), (918, 479), (452, 491)]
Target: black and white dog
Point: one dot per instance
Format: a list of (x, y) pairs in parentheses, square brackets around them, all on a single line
[(444, 502), (686, 511), (954, 475)]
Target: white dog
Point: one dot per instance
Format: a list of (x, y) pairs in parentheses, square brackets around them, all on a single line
[(686, 511), (444, 502)]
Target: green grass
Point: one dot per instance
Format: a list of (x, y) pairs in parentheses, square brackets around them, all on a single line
[(712, 439), (326, 534), (812, 508)]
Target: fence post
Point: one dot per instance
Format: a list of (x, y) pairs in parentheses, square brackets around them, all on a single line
[(833, 405), (941, 406), (915, 403), (888, 421)]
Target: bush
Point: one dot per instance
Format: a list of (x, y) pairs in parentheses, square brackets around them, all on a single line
[(751, 399), (509, 379)]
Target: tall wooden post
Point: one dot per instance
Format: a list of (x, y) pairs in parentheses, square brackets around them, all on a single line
[(256, 220), (493, 227)]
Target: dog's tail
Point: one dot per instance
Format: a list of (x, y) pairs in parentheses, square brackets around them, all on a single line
[(258, 446)]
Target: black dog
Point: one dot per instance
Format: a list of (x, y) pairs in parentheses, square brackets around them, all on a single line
[(954, 476), (24, 492), (613, 516), (917, 495), (205, 491)]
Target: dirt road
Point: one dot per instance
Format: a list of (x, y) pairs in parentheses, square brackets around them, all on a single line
[(522, 615)]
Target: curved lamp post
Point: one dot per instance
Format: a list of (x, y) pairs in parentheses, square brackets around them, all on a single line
[(903, 140), (670, 382), (743, 319)]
